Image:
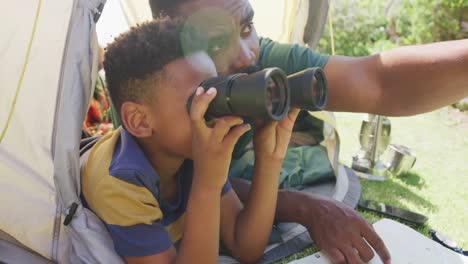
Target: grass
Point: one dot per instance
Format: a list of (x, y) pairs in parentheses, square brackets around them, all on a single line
[(437, 186)]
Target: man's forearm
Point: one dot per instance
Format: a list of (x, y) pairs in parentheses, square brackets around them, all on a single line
[(288, 206), (418, 79), (404, 81)]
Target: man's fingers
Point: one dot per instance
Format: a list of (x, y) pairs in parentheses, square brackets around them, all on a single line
[(336, 256), (351, 255), (363, 249), (376, 243), (200, 103)]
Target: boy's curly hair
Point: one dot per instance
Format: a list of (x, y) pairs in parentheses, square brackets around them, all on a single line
[(134, 61), (165, 7)]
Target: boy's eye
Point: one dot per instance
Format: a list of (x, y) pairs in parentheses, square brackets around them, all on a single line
[(247, 30)]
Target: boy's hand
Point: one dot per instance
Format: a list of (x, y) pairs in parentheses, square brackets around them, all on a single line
[(212, 146), (271, 139)]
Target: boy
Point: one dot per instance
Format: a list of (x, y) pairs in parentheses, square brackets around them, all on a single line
[(160, 181)]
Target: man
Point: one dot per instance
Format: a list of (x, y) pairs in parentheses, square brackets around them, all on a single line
[(403, 81)]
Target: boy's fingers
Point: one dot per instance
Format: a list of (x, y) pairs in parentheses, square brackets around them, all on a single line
[(293, 113), (224, 124), (290, 118), (235, 133), (200, 103)]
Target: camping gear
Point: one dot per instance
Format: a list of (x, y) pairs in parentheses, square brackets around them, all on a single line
[(400, 159), (447, 242), (49, 53), (393, 212), (374, 138)]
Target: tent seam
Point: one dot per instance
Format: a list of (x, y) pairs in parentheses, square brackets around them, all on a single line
[(61, 202)]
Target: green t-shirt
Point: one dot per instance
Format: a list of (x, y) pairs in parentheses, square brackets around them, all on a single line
[(291, 58), (297, 167)]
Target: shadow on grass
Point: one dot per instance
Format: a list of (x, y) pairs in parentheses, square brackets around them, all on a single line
[(393, 192), (413, 179)]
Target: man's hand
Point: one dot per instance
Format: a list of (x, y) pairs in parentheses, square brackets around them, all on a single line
[(340, 232)]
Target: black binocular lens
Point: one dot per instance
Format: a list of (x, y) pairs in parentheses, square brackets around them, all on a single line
[(309, 90), (263, 95), (266, 94)]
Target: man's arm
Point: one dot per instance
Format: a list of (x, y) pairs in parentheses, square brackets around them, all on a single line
[(404, 81), (337, 229)]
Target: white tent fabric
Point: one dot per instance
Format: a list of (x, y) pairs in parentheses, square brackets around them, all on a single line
[(48, 51), (26, 165), (291, 21)]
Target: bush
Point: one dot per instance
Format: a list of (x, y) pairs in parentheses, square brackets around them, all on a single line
[(364, 27), (357, 25), (423, 21)]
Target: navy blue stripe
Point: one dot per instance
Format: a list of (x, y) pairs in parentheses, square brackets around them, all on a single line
[(129, 164), (172, 212), (140, 240)]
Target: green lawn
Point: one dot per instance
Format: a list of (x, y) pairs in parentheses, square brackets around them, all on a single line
[(438, 184)]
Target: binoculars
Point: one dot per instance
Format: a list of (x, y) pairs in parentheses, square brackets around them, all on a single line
[(267, 94)]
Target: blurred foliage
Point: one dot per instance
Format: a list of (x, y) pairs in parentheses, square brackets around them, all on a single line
[(364, 27)]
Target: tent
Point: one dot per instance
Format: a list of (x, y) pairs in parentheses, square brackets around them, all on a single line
[(48, 50), (49, 62)]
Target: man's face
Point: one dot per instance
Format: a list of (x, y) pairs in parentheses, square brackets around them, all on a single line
[(172, 128), (243, 53)]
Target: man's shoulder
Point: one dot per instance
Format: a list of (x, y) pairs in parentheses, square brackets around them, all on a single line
[(291, 58)]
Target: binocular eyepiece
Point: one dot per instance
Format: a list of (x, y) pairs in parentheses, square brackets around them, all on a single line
[(267, 94)]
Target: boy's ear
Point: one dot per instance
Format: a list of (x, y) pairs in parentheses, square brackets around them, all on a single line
[(136, 119)]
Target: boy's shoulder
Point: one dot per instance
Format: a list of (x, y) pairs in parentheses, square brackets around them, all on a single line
[(119, 155), (118, 173)]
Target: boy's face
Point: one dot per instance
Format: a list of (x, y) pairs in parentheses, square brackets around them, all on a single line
[(246, 45), (172, 128)]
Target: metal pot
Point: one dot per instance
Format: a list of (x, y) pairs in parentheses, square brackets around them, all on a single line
[(400, 159)]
